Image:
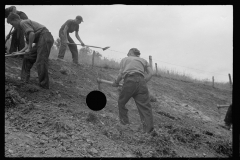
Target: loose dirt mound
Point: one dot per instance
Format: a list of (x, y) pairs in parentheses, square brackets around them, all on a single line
[(58, 123)]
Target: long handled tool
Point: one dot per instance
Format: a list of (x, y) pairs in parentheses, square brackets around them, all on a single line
[(92, 46), (99, 81), (8, 34), (14, 54)]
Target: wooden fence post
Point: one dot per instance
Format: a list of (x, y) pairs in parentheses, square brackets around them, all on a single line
[(156, 69), (213, 81), (230, 80), (93, 55), (150, 61)]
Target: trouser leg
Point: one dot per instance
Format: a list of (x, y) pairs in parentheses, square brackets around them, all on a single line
[(142, 101), (124, 96), (28, 61), (73, 49), (43, 50), (228, 117), (63, 46)]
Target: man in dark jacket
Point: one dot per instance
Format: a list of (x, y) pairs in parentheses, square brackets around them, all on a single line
[(43, 39), (17, 42), (68, 27), (132, 69)]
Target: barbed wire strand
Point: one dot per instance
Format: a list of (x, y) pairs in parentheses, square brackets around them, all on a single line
[(177, 65)]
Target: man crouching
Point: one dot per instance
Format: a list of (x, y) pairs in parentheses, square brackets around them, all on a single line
[(43, 39), (132, 70)]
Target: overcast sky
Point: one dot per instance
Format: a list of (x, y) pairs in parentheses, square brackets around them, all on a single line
[(197, 37)]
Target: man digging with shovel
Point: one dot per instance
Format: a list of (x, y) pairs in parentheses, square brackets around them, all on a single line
[(132, 70), (43, 39), (17, 41), (68, 27)]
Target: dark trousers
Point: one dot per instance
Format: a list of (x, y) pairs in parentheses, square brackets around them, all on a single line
[(135, 86), (63, 47), (17, 42), (228, 117), (39, 54)]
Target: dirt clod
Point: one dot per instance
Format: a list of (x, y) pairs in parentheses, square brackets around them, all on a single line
[(91, 117)]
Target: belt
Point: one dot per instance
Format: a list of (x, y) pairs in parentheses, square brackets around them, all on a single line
[(133, 74)]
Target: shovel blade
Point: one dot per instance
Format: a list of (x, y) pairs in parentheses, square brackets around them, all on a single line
[(105, 48)]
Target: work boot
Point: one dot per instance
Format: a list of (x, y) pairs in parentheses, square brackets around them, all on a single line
[(76, 64), (60, 59), (153, 133), (25, 79)]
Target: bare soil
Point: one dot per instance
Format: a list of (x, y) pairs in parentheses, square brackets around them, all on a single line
[(58, 123)]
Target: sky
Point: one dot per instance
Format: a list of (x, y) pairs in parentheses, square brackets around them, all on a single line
[(196, 40)]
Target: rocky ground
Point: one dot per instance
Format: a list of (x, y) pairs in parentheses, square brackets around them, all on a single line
[(58, 123)]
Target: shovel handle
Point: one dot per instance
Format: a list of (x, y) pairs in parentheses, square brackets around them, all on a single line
[(15, 54), (105, 81), (8, 34)]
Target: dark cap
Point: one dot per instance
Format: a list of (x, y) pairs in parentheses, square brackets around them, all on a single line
[(135, 51), (12, 16), (8, 11), (79, 18)]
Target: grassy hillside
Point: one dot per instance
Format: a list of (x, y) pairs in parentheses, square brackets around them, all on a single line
[(58, 123)]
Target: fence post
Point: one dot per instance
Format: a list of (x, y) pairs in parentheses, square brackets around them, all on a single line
[(230, 80), (93, 55), (156, 69), (150, 61), (213, 81)]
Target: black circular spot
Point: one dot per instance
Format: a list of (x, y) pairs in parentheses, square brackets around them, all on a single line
[(96, 100)]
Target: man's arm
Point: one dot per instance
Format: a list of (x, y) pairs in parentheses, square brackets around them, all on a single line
[(116, 82), (119, 78), (25, 47), (79, 39), (149, 73), (31, 38)]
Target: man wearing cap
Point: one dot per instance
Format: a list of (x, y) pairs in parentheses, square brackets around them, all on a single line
[(132, 69), (68, 27), (39, 53), (17, 42)]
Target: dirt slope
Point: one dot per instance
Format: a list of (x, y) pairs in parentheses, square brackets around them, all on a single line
[(57, 122)]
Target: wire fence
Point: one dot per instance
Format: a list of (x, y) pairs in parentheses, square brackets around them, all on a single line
[(185, 76), (157, 60)]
